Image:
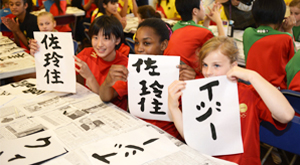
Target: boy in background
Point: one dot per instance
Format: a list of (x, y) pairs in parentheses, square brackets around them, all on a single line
[(267, 49), (188, 36)]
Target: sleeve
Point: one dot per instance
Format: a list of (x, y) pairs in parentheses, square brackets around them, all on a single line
[(295, 85), (265, 114), (121, 88)]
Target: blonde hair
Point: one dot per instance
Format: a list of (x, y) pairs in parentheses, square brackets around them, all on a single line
[(45, 13), (295, 3), (226, 45)]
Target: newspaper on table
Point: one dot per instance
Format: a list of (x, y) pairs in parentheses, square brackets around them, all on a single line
[(82, 119)]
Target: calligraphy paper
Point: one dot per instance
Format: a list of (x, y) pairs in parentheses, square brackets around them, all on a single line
[(211, 117), (30, 149), (55, 66), (148, 81), (135, 147)]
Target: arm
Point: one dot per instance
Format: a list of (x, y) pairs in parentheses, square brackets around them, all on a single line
[(13, 26), (87, 74), (115, 73), (88, 5), (288, 24), (186, 72), (134, 8), (121, 19), (123, 12), (33, 46), (174, 92), (214, 15), (280, 108)]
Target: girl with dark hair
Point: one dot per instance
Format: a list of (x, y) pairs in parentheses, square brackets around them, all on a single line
[(93, 63), (147, 11)]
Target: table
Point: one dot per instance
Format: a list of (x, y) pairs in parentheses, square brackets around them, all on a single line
[(132, 23), (81, 124), (14, 61)]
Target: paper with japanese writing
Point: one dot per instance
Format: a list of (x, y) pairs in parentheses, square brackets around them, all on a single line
[(211, 116), (54, 62), (148, 81), (30, 149), (135, 147)]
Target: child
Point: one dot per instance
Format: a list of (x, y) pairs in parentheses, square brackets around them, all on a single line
[(188, 36), (5, 12), (151, 38), (267, 50), (295, 11), (167, 9), (108, 7), (46, 23), (127, 7), (217, 57), (58, 7), (23, 25), (94, 63), (146, 11)]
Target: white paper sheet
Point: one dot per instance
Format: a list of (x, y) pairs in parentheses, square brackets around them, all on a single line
[(54, 62), (143, 93), (34, 148), (135, 147), (204, 115)]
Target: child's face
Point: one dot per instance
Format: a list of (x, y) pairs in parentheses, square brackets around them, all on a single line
[(17, 7), (295, 11), (216, 64), (147, 42), (111, 8), (104, 46), (201, 12), (45, 23)]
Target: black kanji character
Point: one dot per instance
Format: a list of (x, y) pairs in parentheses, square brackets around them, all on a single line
[(54, 40), (17, 156), (209, 86), (54, 56), (144, 88), (56, 77), (44, 41), (149, 65), (46, 140), (208, 113), (156, 90), (103, 157), (156, 107), (142, 103), (138, 65), (34, 91)]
